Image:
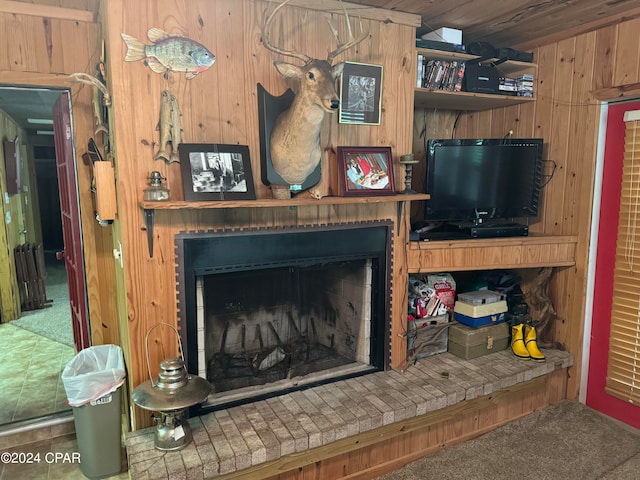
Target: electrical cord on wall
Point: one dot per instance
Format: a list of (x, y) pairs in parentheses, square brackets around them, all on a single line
[(548, 178), (455, 123)]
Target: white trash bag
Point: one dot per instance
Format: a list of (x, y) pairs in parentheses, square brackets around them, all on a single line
[(93, 373)]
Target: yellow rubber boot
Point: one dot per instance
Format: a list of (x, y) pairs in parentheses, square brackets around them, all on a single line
[(531, 343), (518, 346)]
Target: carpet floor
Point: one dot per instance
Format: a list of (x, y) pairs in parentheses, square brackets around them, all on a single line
[(53, 321), (567, 441)]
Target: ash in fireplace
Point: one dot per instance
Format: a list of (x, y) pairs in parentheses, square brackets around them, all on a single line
[(298, 357)]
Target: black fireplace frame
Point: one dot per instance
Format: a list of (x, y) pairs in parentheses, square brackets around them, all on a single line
[(222, 251)]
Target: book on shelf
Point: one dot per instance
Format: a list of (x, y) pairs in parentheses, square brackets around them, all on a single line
[(440, 74), (524, 85)]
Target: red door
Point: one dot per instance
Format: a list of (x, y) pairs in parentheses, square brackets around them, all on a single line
[(597, 398), (70, 211)]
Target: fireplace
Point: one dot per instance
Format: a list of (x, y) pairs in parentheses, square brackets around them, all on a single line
[(266, 311)]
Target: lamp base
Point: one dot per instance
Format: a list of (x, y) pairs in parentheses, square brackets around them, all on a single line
[(172, 433)]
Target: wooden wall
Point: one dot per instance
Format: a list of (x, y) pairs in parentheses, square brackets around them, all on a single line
[(45, 44), (14, 219), (220, 106)]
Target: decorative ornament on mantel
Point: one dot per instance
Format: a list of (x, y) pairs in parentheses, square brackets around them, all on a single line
[(408, 161), (156, 192), (171, 394)]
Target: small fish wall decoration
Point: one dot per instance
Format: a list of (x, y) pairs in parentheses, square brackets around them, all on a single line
[(169, 53), (170, 126)]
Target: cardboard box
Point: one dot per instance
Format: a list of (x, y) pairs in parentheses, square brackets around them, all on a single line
[(467, 342), (425, 330), (445, 34)]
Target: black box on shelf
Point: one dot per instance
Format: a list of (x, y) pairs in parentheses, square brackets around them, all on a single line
[(481, 78)]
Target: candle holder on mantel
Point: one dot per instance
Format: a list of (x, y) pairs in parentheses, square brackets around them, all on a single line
[(408, 161)]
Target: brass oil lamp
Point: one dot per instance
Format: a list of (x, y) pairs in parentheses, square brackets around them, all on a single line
[(171, 394)]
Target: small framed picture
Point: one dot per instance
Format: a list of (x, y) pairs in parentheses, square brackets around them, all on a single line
[(365, 170), (216, 172), (360, 93)]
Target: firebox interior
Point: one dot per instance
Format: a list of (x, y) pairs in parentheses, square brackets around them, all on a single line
[(267, 311)]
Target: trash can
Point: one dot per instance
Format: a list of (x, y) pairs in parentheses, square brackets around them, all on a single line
[(92, 381)]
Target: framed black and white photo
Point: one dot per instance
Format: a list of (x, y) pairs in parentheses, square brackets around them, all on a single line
[(360, 93), (216, 172)]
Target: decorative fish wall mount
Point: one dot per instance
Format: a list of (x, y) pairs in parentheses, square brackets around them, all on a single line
[(169, 53), (170, 127)]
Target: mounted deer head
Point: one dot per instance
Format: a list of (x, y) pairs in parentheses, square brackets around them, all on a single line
[(295, 138)]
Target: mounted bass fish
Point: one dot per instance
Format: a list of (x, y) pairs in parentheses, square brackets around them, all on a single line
[(170, 126), (169, 53)]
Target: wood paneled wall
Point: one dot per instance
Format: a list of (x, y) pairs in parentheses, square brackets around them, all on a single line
[(566, 115), (220, 106), (41, 51), (13, 218)]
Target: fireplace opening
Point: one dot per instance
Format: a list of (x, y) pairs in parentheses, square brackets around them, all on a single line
[(269, 311)]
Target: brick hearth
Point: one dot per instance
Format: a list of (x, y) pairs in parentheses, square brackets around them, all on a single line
[(230, 440)]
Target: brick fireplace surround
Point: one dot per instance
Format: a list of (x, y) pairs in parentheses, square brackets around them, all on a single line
[(289, 431)]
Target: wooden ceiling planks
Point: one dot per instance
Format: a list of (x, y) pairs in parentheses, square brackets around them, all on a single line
[(521, 22)]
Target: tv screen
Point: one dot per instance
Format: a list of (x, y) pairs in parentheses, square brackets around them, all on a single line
[(480, 179)]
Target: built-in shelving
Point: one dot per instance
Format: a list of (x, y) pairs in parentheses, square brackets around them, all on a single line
[(491, 253), (444, 99), (429, 98)]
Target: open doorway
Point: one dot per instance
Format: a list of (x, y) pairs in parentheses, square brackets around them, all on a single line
[(40, 343)]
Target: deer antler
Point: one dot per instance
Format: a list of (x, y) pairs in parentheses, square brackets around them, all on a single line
[(269, 46), (93, 81), (350, 42)]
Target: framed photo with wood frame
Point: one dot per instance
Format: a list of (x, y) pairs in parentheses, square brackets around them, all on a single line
[(365, 171), (360, 94), (216, 172)]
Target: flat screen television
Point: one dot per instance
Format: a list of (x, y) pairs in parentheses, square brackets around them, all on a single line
[(477, 180)]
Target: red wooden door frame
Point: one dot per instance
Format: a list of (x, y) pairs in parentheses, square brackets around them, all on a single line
[(596, 397), (71, 225)]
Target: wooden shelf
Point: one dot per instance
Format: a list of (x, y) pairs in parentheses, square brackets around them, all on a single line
[(492, 253), (149, 208), (510, 67), (292, 202), (444, 99)]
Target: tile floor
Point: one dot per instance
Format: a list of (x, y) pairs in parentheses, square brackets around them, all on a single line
[(48, 468), (30, 383)]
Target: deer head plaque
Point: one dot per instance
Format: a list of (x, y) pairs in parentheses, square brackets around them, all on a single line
[(295, 138)]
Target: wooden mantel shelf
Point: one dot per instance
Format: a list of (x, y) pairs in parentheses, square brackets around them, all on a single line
[(292, 202), (490, 253), (149, 207)]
